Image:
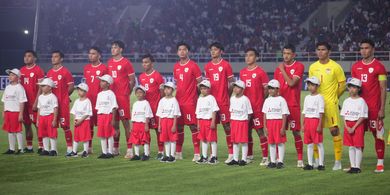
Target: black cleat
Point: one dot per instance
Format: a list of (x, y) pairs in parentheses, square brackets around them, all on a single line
[(271, 165), (44, 153), (321, 168), (164, 159), (19, 152), (84, 154), (135, 157), (242, 163), (53, 153), (9, 152), (40, 150), (308, 167), (279, 165), (202, 160), (102, 156), (213, 161), (71, 154), (159, 156), (145, 158), (233, 162), (171, 159), (109, 155), (358, 170), (26, 150)]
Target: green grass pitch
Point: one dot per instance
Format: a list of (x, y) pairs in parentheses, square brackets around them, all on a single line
[(32, 174)]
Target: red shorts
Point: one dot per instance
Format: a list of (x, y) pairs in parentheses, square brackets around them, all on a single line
[(223, 115), (123, 112), (29, 116), (11, 122), (82, 133), (138, 136), (371, 122), (105, 129), (206, 134), (311, 135), (187, 115), (356, 138), (239, 131), (45, 128), (273, 128), (64, 114), (257, 120), (294, 119), (166, 134)]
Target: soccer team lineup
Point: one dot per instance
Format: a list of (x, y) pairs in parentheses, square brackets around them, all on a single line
[(39, 102)]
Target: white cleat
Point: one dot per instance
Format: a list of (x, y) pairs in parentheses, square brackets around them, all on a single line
[(196, 157), (300, 164), (337, 165), (264, 162), (179, 156), (229, 159)]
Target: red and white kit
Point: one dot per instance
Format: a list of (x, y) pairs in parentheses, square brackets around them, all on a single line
[(141, 110), (105, 102), (80, 109), (352, 110), (46, 105), (239, 109), (313, 106), (204, 111), (274, 108), (168, 109), (13, 96)]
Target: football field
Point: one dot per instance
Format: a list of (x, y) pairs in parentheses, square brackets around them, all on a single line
[(32, 174)]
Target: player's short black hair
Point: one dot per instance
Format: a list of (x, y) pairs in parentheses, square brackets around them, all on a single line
[(217, 45), (96, 49), (59, 52), (324, 43), (182, 43), (254, 50), (119, 43), (151, 58), (290, 47), (368, 41), (32, 52)]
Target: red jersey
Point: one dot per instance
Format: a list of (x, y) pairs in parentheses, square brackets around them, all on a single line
[(186, 76), (254, 80), (152, 83), (369, 75), (291, 94), (90, 74), (120, 70), (219, 75), (62, 79), (29, 77)]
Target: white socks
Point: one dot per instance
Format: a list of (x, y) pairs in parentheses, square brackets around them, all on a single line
[(75, 145), (214, 149), (281, 148), (204, 149), (147, 149), (53, 143), (110, 144), (136, 150), (355, 156), (310, 152), (236, 150), (321, 154), (19, 137), (11, 141), (86, 146), (272, 150), (103, 143), (46, 143), (170, 148), (244, 151), (173, 148)]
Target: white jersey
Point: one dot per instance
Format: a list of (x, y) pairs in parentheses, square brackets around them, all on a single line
[(82, 108), (353, 109), (168, 108), (313, 106), (240, 108), (13, 96), (105, 102), (205, 107), (46, 104), (275, 107), (140, 111)]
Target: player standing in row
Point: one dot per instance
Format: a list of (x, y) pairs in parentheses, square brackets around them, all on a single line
[(63, 81), (121, 70), (256, 80), (30, 75), (220, 74), (332, 86), (91, 71), (373, 75), (289, 74), (187, 75), (152, 80)]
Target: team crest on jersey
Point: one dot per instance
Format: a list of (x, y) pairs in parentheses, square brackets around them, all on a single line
[(292, 71), (97, 72), (328, 71), (220, 69), (254, 75), (151, 80), (185, 69), (31, 74), (119, 67), (59, 77), (370, 70)]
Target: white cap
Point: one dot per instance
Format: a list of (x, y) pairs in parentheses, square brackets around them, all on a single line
[(313, 80), (355, 82), (205, 83), (169, 84), (274, 83), (48, 82), (239, 84), (83, 86), (14, 71), (140, 87), (106, 78)]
